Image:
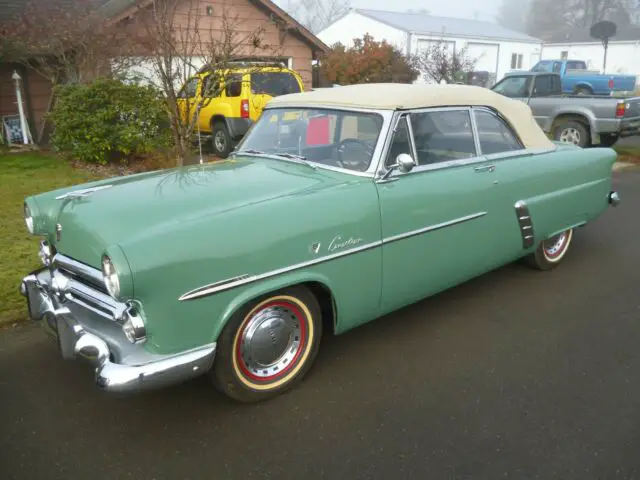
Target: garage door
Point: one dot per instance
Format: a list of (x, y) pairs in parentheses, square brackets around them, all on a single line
[(486, 56)]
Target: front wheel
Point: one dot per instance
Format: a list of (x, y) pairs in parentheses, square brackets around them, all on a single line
[(268, 346), (550, 252)]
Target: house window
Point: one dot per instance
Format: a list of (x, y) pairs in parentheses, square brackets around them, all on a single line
[(516, 60), (564, 54)]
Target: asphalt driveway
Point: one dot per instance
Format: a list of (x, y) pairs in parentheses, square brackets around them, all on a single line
[(517, 374)]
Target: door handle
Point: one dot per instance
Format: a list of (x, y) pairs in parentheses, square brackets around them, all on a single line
[(485, 168)]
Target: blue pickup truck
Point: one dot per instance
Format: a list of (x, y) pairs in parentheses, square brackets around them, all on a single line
[(578, 80)]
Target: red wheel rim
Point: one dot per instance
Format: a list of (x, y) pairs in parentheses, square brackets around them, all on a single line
[(555, 246), (271, 341)]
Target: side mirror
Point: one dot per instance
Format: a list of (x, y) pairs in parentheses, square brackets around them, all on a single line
[(404, 163)]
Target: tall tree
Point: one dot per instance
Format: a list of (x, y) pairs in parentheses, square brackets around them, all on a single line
[(317, 15), (513, 14), (180, 42), (547, 17), (64, 43)]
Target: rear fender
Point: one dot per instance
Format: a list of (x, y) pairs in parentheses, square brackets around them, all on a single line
[(583, 84), (581, 115)]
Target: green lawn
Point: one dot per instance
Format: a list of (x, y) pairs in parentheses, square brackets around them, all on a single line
[(22, 175)]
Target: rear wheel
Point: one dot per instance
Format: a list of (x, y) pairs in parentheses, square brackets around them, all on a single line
[(583, 91), (221, 140), (268, 346), (550, 252), (574, 132)]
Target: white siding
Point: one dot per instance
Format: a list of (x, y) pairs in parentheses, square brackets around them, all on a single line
[(495, 56), (354, 25), (530, 56), (622, 57), (485, 55)]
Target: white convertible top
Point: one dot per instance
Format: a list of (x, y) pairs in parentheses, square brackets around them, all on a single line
[(399, 96)]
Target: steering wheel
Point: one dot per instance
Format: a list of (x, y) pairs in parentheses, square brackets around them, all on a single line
[(360, 151)]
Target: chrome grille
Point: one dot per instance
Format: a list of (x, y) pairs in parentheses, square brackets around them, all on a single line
[(83, 285)]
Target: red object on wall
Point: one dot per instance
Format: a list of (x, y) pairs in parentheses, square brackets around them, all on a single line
[(318, 131)]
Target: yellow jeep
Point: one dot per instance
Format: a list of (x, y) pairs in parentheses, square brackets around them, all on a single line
[(230, 100)]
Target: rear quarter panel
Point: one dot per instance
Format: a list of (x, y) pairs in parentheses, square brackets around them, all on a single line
[(564, 188)]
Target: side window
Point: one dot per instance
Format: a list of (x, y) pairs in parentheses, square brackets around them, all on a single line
[(211, 86), (233, 85), (442, 136), (189, 90), (401, 143), (363, 128), (543, 66), (494, 134), (543, 85), (513, 87), (557, 66)]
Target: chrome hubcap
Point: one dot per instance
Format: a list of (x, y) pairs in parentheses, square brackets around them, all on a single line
[(554, 246), (570, 135), (220, 141), (270, 341)]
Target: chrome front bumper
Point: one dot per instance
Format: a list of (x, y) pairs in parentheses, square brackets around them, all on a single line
[(119, 365)]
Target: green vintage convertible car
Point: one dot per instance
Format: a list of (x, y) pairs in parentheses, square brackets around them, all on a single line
[(339, 206)]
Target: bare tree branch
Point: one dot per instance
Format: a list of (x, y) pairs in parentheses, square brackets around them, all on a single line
[(440, 61), (316, 15), (179, 41)]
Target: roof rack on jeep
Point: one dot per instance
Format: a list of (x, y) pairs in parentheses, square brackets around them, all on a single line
[(248, 63)]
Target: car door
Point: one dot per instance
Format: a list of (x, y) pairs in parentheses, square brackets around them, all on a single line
[(209, 94), (436, 220), (514, 179), (538, 193)]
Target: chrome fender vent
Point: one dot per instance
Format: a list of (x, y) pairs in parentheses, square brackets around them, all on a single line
[(525, 223)]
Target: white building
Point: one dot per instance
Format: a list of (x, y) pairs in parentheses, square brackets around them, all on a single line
[(623, 54), (496, 49)]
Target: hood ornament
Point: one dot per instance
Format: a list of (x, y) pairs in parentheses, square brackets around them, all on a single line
[(82, 193)]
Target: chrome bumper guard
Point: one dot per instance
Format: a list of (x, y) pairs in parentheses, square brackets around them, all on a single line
[(84, 332), (614, 199)]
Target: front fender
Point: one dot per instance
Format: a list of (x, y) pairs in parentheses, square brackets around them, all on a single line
[(267, 286)]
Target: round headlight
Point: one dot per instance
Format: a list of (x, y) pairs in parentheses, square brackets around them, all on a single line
[(110, 275), (28, 218)]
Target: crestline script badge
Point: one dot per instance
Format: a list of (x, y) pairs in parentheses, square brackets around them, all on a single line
[(338, 243)]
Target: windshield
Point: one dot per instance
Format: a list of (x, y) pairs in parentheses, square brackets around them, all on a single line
[(335, 138), (513, 86), (274, 83)]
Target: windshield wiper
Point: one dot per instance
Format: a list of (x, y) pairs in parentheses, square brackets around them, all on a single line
[(250, 151), (291, 156)]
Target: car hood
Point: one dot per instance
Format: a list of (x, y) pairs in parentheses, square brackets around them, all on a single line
[(147, 205)]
